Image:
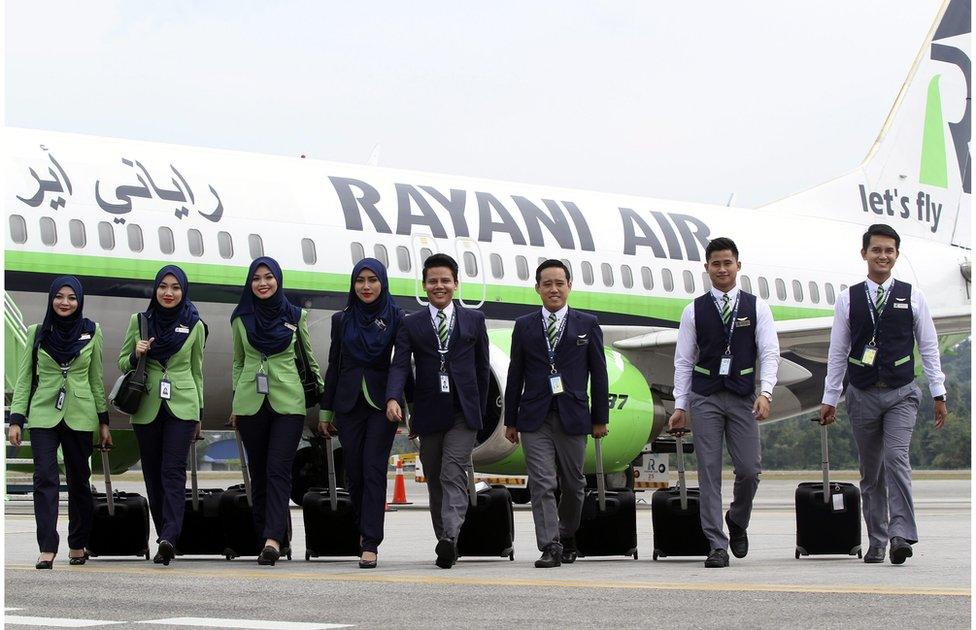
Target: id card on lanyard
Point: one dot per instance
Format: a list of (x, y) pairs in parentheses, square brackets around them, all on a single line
[(725, 364), (870, 353), (59, 401), (442, 350), (261, 378), (555, 378)]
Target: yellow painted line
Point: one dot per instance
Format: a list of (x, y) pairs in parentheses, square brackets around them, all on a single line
[(236, 572)]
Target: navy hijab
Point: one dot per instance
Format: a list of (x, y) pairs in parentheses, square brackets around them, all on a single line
[(264, 320), (163, 321), (64, 337), (369, 329)]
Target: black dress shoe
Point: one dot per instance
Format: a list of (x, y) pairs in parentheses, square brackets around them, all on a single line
[(738, 540), (550, 559), (367, 564), (45, 564), (569, 553), (900, 550), (446, 553), (269, 555), (717, 559), (79, 560), (164, 553), (874, 555)]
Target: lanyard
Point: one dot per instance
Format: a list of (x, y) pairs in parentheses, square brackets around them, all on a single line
[(735, 311), (550, 348), (876, 312), (442, 348)]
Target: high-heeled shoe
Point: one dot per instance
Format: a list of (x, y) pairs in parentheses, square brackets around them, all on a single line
[(367, 564), (45, 564), (269, 555), (79, 560), (164, 553)]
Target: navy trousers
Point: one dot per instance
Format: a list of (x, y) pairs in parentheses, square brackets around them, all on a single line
[(77, 449), (270, 441), (164, 445), (367, 437)]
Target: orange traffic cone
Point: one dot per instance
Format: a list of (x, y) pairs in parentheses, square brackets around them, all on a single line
[(399, 486)]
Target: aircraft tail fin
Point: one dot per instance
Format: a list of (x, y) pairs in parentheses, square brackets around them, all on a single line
[(917, 177)]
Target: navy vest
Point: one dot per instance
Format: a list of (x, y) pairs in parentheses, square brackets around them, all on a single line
[(894, 365), (712, 335)]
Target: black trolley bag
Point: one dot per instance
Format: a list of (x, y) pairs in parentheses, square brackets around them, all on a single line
[(608, 526), (329, 515), (120, 523), (237, 519), (828, 514), (201, 533), (675, 514), (488, 529)]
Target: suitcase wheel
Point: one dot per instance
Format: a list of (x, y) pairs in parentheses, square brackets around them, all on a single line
[(635, 554), (859, 554), (145, 554), (288, 555), (796, 554), (308, 556), (654, 556), (511, 556)]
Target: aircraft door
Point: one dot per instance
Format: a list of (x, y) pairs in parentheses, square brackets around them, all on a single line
[(471, 273), (423, 246)]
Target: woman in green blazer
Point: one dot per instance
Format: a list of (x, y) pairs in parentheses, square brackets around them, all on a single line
[(269, 401), (168, 418), (60, 393)]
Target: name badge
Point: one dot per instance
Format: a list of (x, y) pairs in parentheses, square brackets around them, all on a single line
[(59, 403), (741, 322), (900, 305), (838, 502), (291, 327), (869, 355), (262, 383), (84, 337), (725, 365), (556, 384), (582, 340), (183, 330), (165, 389), (445, 384)]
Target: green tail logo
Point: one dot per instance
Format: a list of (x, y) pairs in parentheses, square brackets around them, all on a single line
[(933, 170)]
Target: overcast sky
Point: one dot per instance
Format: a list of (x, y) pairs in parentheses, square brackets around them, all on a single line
[(677, 100)]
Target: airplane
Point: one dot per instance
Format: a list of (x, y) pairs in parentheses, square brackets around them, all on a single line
[(113, 211)]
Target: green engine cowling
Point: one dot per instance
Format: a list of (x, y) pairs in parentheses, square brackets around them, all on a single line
[(631, 416)]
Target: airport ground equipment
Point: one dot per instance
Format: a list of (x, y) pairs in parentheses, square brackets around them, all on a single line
[(489, 523), (828, 514), (609, 523), (675, 514), (120, 523), (328, 513)]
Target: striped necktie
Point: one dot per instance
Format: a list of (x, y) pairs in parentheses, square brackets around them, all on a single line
[(551, 330), (726, 311), (442, 328), (880, 299)]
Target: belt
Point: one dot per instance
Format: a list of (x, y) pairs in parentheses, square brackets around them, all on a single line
[(881, 385)]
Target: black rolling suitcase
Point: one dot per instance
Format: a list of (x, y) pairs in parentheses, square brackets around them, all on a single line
[(828, 515), (201, 533), (330, 519), (120, 524), (237, 520), (488, 529), (608, 526), (675, 515)]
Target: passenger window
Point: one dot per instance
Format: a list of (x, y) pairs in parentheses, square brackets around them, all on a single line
[(255, 246), (746, 283), (814, 293), (403, 258), (668, 280), (763, 288), (470, 265), (167, 244), (706, 281), (797, 291), (626, 276), (522, 267), (379, 252), (225, 245), (689, 279), (308, 251), (831, 297), (569, 267), (843, 288), (134, 235), (76, 230), (780, 289), (49, 231), (358, 253), (542, 259), (497, 267), (18, 229), (607, 274), (647, 278), (106, 235), (425, 253), (194, 241), (587, 272)]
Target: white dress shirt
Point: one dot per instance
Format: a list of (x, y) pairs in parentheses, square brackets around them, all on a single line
[(448, 313), (560, 315), (686, 350), (840, 342)]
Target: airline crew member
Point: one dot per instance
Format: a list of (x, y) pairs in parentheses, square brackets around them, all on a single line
[(363, 335), (168, 417), (269, 401), (449, 344), (60, 393), (721, 337), (554, 354), (876, 326)]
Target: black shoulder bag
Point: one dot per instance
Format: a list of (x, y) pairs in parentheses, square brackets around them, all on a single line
[(129, 389)]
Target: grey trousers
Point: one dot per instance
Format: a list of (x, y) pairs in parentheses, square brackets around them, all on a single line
[(551, 454), (730, 415), (883, 421), (446, 456)]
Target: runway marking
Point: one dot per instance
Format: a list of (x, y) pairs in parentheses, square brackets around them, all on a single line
[(260, 624), (55, 622), (238, 573)]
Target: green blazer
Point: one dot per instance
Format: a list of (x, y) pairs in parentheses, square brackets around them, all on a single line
[(84, 403), (184, 369), (286, 394)]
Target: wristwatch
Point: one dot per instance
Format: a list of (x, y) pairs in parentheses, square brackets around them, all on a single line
[(768, 396), (941, 398)]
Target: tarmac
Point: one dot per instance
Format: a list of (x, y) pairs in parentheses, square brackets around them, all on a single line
[(767, 589)]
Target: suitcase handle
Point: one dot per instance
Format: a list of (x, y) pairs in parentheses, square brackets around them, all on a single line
[(679, 435), (330, 463), (244, 471), (194, 486), (109, 498), (824, 460), (601, 480), (472, 490)]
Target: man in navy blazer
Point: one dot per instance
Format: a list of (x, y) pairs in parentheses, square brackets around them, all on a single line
[(554, 354), (449, 344)]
